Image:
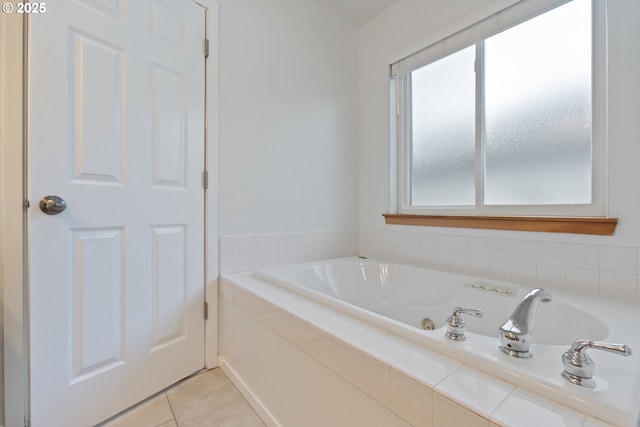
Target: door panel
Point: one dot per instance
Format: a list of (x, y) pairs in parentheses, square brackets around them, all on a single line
[(97, 314), (169, 98), (169, 290), (116, 128), (97, 109)]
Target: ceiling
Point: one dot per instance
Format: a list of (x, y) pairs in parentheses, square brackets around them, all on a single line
[(357, 11)]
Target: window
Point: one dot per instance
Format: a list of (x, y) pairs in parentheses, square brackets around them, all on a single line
[(506, 117)]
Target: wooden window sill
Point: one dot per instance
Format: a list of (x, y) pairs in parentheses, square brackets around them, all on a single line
[(582, 225)]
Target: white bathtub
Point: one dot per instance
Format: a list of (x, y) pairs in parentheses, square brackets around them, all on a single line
[(397, 298)]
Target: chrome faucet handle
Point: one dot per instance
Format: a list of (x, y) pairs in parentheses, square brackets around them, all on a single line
[(455, 323), (579, 367)]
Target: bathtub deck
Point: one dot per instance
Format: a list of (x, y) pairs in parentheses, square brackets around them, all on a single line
[(414, 383)]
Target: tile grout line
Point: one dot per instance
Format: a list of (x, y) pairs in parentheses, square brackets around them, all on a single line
[(171, 407)]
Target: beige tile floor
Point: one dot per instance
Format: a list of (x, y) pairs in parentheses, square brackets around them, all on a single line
[(208, 399)]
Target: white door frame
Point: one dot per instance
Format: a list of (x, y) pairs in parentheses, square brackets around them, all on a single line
[(12, 217), (212, 258), (14, 263)]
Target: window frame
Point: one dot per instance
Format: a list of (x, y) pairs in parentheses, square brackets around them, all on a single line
[(400, 92)]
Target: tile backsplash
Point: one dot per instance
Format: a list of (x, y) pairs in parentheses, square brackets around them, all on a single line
[(608, 271), (250, 251)]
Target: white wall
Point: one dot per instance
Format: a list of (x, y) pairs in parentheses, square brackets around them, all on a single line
[(288, 132), (288, 111), (601, 265)]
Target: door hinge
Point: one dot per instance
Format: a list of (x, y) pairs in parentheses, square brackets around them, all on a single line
[(26, 204), (206, 310), (205, 179), (206, 48)]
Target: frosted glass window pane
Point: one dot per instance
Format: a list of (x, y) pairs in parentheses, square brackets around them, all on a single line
[(443, 131), (538, 110)]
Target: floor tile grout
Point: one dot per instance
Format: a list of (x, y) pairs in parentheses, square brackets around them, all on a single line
[(171, 407)]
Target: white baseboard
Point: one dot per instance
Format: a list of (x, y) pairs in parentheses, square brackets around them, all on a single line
[(253, 400)]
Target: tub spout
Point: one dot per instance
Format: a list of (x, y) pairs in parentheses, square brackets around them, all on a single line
[(515, 333)]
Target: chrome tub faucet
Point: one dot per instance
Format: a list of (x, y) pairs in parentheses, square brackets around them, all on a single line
[(515, 334)]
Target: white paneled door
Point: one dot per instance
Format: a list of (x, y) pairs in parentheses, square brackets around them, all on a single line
[(116, 129)]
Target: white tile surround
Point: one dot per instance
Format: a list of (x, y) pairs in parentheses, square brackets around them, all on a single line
[(421, 387), (588, 269), (250, 251)]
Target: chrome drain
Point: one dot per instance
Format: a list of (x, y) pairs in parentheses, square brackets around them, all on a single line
[(428, 324)]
